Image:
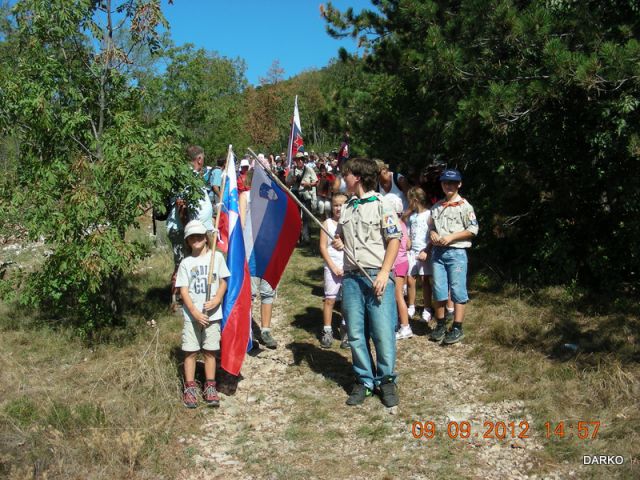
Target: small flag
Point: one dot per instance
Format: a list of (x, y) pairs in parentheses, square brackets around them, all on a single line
[(296, 143)]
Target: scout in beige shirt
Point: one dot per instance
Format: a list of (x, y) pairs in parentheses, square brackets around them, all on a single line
[(369, 231), (453, 226)]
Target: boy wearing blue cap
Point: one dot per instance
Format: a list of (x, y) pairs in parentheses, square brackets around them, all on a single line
[(453, 226)]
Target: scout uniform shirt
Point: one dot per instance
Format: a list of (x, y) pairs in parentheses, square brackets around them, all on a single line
[(452, 217), (365, 225)]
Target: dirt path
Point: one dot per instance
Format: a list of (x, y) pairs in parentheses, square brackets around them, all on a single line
[(288, 418)]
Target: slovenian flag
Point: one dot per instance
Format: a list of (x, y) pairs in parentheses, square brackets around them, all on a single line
[(272, 228), (236, 305), (296, 143)]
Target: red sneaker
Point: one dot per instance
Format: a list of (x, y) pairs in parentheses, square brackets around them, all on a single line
[(190, 395), (210, 394)]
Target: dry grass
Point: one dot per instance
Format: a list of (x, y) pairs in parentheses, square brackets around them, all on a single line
[(111, 411), (568, 363), (114, 410)]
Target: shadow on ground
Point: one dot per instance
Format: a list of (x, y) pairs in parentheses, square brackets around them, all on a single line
[(328, 363)]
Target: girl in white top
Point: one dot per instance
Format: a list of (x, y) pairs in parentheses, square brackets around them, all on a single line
[(332, 270), (419, 262)]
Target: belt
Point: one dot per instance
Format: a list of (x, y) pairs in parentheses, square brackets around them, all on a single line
[(373, 273), (358, 273)]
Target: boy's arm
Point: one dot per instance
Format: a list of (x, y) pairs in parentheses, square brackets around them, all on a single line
[(197, 315), (324, 252), (455, 237), (390, 253), (216, 300)]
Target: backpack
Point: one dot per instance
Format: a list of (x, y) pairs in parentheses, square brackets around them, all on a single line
[(162, 213)]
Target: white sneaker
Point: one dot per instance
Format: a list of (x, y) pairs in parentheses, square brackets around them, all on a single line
[(404, 332), (426, 315), (411, 310)]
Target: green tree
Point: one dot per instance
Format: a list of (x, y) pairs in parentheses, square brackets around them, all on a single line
[(88, 166), (202, 93), (536, 101)]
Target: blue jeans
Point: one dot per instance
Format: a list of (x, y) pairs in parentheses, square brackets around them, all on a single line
[(367, 318), (450, 272)]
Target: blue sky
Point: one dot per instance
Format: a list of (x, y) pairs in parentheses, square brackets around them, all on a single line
[(260, 31)]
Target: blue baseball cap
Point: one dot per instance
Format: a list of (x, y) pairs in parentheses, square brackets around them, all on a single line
[(451, 175)]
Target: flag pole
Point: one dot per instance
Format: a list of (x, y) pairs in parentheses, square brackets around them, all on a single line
[(306, 210), (214, 238)]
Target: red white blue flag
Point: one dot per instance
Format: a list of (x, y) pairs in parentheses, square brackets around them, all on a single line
[(296, 143), (272, 228), (236, 305)]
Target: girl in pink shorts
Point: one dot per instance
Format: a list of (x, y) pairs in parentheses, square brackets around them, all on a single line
[(333, 260), (401, 269)]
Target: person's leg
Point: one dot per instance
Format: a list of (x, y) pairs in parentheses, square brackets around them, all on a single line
[(209, 365), (427, 292), (209, 392), (326, 337), (190, 392), (382, 319), (459, 310), (267, 295), (403, 316), (266, 310), (411, 294), (353, 310), (190, 366), (457, 272), (327, 311), (440, 294), (176, 237)]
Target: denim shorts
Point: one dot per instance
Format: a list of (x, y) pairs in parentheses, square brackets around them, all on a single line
[(259, 286), (450, 273)]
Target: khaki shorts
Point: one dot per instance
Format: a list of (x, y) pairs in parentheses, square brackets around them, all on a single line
[(195, 337)]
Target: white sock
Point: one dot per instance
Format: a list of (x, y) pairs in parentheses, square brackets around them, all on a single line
[(327, 329)]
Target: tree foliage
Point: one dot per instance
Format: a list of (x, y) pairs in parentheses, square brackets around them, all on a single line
[(536, 101), (88, 165), (202, 93)]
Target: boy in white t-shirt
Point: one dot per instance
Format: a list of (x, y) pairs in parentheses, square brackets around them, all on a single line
[(201, 329), (333, 262)]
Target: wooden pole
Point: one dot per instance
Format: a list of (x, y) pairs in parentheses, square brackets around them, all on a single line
[(306, 210), (214, 238)]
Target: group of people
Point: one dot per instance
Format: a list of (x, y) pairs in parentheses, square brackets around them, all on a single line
[(380, 237), (383, 235)]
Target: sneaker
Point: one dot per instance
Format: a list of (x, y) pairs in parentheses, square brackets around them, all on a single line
[(358, 394), (190, 395), (453, 336), (411, 310), (210, 395), (404, 332), (267, 340), (389, 394), (439, 332), (344, 343), (426, 315), (326, 338)]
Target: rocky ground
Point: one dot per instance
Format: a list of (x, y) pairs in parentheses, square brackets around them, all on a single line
[(288, 419)]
